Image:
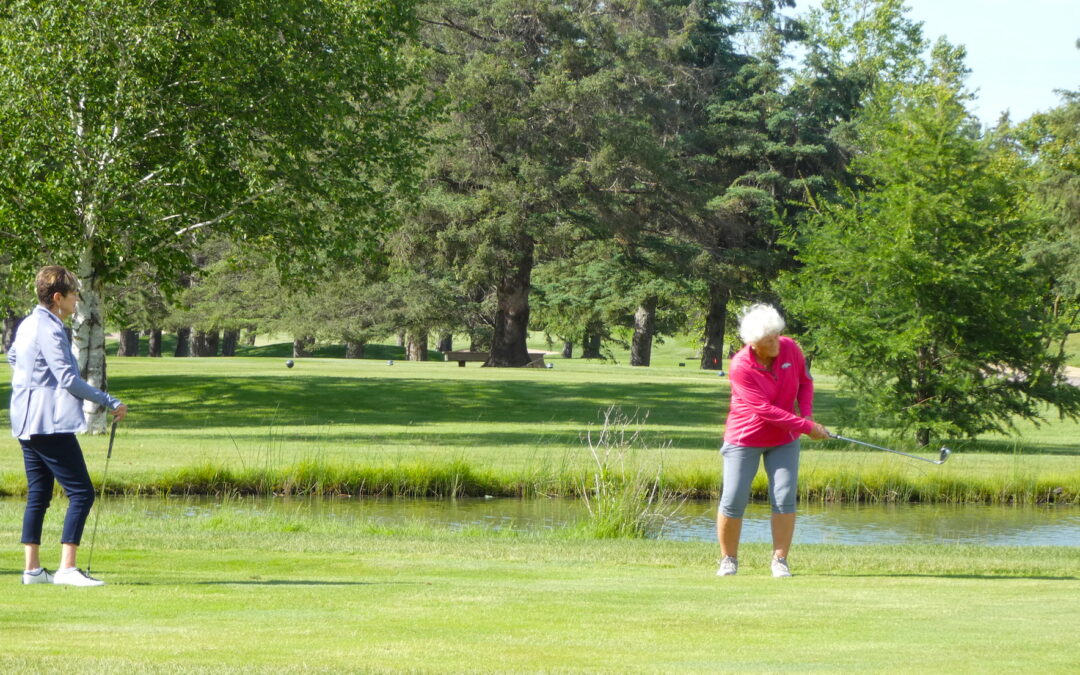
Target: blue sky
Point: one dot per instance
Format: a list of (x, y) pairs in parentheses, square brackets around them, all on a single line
[(1019, 51)]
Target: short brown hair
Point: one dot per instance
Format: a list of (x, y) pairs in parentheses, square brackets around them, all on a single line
[(54, 279)]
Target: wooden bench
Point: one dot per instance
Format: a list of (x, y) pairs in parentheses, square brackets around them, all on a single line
[(463, 357), (536, 359)]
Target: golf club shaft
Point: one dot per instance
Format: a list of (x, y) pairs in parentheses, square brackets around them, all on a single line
[(101, 492), (878, 447)]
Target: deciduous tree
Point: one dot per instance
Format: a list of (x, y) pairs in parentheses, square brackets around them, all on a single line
[(130, 129)]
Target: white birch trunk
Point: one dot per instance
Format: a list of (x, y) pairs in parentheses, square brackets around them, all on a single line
[(88, 339), (87, 327)]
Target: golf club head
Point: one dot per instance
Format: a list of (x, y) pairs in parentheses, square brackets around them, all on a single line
[(945, 452)]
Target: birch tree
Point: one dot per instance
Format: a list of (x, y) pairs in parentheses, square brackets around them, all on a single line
[(131, 129)]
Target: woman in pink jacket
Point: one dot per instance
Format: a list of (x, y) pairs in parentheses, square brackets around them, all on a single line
[(768, 379)]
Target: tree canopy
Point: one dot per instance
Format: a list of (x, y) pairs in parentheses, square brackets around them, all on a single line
[(343, 170), (917, 286), (131, 129)]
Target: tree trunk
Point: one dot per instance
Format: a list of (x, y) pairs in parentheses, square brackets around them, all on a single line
[(88, 338), (11, 324), (592, 340), (446, 343), (249, 338), (922, 437), (712, 352), (567, 349), (213, 339), (923, 389), (183, 342), (129, 343), (229, 341), (416, 346), (354, 349), (301, 346), (644, 327), (508, 342), (401, 339), (198, 344), (155, 343)]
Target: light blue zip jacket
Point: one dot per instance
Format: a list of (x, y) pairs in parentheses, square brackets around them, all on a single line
[(47, 391)]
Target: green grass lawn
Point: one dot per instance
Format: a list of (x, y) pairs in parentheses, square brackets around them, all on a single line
[(1072, 347), (297, 592), (238, 591), (516, 426)]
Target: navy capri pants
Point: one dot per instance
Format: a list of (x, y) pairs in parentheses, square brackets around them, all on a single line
[(740, 465), (53, 458)]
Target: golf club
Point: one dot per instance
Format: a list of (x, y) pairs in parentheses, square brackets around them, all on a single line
[(101, 492), (945, 452)]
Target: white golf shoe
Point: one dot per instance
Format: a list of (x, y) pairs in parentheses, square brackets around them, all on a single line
[(73, 576), (780, 567), (728, 567), (40, 576)]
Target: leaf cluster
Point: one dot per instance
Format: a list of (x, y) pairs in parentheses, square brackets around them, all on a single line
[(918, 286)]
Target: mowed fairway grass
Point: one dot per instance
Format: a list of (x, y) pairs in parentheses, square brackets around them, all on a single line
[(512, 430), (296, 591), (293, 593)]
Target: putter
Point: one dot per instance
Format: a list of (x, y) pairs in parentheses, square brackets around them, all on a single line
[(945, 452), (101, 492)]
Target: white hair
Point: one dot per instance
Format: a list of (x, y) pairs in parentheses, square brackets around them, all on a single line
[(759, 322)]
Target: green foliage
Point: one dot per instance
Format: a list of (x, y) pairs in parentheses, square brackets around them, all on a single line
[(918, 289), (233, 288), (132, 130), (566, 125), (856, 47), (1052, 141), (603, 283), (280, 125)]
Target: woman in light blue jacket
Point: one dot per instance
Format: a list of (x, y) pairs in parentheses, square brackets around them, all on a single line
[(47, 395)]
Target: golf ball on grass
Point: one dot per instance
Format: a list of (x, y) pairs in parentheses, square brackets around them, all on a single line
[(289, 363)]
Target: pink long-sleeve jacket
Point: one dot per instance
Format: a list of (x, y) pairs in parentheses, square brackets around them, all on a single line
[(762, 413)]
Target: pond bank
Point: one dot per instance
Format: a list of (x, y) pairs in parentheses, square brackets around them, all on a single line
[(884, 481)]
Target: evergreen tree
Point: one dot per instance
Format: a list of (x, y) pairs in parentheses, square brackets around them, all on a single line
[(629, 295), (563, 128), (916, 289), (761, 148)]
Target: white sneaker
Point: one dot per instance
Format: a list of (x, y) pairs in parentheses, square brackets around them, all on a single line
[(728, 567), (73, 576), (780, 567), (42, 576)]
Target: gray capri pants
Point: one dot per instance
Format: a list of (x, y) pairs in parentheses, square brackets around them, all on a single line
[(740, 465)]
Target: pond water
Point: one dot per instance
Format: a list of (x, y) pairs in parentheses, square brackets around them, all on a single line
[(694, 521)]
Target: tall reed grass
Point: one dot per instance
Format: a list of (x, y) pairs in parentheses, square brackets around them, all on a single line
[(459, 478), (618, 463), (624, 494)]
